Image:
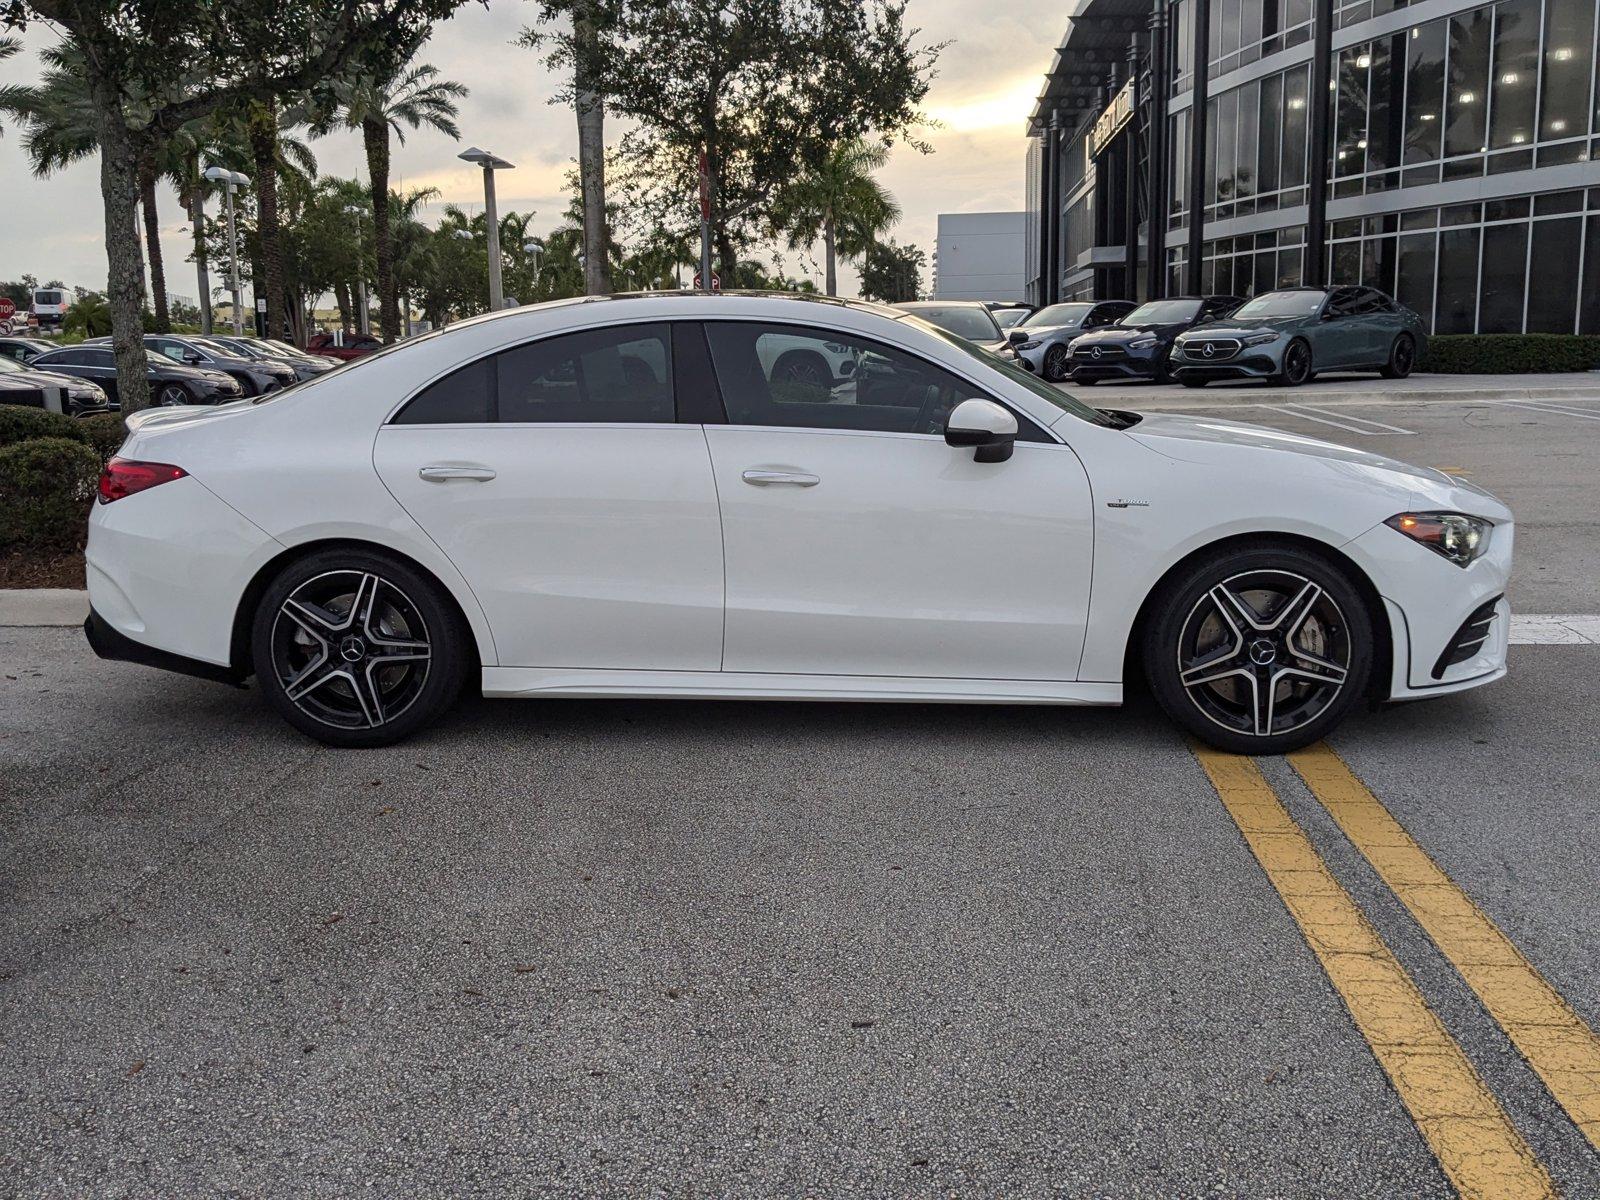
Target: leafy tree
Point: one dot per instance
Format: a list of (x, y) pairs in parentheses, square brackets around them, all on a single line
[(892, 273), (8, 47), (762, 87), (841, 203), (379, 100), (153, 66)]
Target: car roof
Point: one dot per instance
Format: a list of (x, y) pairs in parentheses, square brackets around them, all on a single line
[(914, 305)]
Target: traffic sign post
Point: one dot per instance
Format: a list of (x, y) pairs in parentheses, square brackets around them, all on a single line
[(8, 309)]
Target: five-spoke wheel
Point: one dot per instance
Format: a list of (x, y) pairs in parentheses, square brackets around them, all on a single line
[(1260, 651), (357, 649)]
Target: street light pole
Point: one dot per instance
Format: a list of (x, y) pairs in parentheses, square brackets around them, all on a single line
[(231, 180), (490, 164)]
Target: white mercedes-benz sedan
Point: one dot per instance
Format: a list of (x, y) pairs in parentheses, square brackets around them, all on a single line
[(773, 497)]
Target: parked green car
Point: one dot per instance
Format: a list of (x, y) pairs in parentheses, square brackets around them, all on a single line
[(1287, 336)]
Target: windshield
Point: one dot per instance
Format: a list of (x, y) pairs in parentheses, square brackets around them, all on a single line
[(1282, 304), (973, 323), (291, 351), (1060, 314), (1163, 312), (1007, 317), (1041, 389), (216, 348)]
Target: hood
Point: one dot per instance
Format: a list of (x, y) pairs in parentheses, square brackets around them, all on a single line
[(1219, 443), (1043, 331), (1235, 327), (60, 380), (1122, 333)]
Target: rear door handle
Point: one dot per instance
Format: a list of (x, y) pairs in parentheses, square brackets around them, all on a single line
[(793, 478), (444, 474)]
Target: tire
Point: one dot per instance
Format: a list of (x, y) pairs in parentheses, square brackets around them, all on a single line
[(172, 395), (1054, 366), (1402, 358), (1297, 365), (803, 367), (379, 643), (1191, 381), (1259, 650)]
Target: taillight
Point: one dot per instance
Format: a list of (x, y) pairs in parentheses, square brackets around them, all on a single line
[(124, 476)]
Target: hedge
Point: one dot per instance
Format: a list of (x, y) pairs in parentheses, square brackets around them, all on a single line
[(105, 432), (19, 424), (46, 487), (1510, 353)]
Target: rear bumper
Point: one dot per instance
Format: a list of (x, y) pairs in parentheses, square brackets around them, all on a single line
[(109, 644)]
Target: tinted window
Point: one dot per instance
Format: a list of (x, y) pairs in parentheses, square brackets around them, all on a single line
[(1059, 314), (1282, 304), (787, 376), (1163, 312), (971, 322), (622, 375)]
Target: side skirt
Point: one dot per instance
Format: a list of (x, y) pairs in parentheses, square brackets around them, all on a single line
[(720, 685)]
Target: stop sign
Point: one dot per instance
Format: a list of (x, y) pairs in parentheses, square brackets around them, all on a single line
[(8, 308), (716, 281)]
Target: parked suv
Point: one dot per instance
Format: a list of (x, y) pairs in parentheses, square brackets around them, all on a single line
[(1287, 336), (1137, 346), (1051, 330), (51, 390)]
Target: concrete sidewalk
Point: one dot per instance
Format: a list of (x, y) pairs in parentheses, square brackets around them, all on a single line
[(43, 606)]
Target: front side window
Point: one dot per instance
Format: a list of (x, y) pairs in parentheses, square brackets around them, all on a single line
[(619, 375)]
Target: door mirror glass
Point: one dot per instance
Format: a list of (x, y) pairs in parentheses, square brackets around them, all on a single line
[(990, 429)]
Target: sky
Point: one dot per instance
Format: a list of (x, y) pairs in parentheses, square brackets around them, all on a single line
[(984, 89)]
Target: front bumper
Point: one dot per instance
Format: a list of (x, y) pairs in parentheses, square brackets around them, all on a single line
[(1123, 364), (1248, 362)]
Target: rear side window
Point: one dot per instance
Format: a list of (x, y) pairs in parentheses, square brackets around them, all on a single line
[(619, 375)]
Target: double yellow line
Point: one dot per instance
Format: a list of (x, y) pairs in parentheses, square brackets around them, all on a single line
[(1477, 1146)]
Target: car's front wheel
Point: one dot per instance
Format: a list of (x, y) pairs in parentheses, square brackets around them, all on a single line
[(1055, 364), (356, 648), (1402, 357), (1297, 367), (1259, 651), (172, 395)]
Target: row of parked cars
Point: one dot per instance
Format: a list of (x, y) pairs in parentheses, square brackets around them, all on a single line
[(182, 369), (1283, 337)]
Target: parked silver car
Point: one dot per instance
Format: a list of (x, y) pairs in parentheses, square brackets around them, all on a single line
[(1051, 330)]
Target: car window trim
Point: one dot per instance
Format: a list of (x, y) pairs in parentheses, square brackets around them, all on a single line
[(1024, 421)]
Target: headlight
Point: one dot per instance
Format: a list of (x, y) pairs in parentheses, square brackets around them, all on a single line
[(1143, 343), (1033, 345), (1261, 339), (1456, 536)]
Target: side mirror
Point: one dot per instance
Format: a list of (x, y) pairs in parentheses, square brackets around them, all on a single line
[(984, 425), (1017, 336), (192, 357)]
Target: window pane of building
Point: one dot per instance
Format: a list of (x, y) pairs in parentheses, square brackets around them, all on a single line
[(1211, 149), (1458, 281), (1227, 141), (1514, 77), (1295, 84), (1289, 266), (1568, 61), (1553, 270), (1269, 134), (1589, 304), (1467, 92), (1245, 167), (1424, 91), (1346, 263), (1350, 138), (1414, 287), (1505, 269), (1385, 114)]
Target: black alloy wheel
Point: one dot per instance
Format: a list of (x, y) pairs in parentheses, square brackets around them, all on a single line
[(357, 649), (1296, 364), (1055, 363), (171, 395), (1260, 651), (1402, 357)]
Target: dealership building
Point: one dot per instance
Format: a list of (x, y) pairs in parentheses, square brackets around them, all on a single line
[(1443, 151)]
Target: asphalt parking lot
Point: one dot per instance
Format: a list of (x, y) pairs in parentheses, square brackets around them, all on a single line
[(676, 948)]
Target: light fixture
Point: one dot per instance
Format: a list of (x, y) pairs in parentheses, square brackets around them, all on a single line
[(1562, 53), (1510, 77), (1427, 117), (1467, 97), (1362, 144), (1517, 139), (1364, 61), (1557, 126)]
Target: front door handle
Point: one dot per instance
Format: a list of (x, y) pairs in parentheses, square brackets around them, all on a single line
[(444, 474), (793, 478)]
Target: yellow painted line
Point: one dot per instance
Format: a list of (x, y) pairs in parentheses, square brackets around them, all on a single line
[(1482, 1154), (1558, 1045)]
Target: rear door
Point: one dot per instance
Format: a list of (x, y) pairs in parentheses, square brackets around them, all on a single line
[(557, 478), (859, 543)]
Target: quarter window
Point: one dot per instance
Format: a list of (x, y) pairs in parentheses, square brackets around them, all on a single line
[(621, 375)]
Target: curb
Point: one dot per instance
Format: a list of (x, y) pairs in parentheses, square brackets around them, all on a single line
[(43, 607)]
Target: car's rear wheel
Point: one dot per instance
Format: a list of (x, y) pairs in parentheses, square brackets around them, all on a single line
[(355, 648), (1259, 651), (1297, 365), (1402, 357), (1055, 364)]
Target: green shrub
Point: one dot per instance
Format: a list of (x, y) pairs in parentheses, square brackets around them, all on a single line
[(105, 432), (1510, 353), (46, 487), (19, 424)]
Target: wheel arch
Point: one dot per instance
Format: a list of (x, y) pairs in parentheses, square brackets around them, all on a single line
[(1383, 634), (239, 656)]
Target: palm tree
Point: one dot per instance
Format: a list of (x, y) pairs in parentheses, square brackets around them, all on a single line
[(841, 203), (379, 103), (10, 91)]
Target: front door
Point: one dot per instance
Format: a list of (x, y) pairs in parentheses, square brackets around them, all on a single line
[(858, 543), (556, 478)]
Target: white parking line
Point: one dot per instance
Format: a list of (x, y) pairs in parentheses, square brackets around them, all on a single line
[(1563, 630), (1377, 425), (1555, 408), (1288, 412)]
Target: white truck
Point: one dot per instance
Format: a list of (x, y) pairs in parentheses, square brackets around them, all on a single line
[(49, 307)]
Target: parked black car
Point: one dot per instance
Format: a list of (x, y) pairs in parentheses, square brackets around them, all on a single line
[(170, 383), (49, 390), (255, 376), (1137, 346), (304, 366), (24, 349)]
